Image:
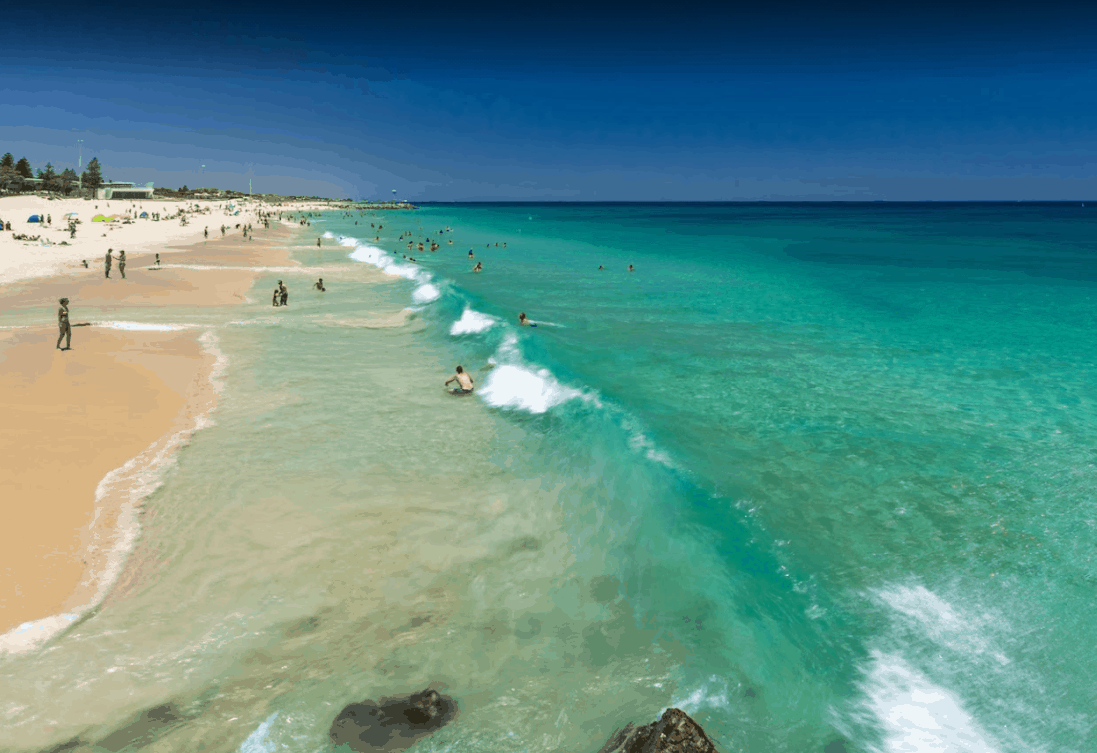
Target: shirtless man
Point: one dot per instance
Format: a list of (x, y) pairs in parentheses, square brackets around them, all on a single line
[(63, 325), (522, 319), (320, 285), (107, 260), (463, 380), (479, 266), (283, 299)]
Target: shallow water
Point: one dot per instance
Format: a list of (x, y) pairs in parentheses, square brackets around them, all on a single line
[(811, 473)]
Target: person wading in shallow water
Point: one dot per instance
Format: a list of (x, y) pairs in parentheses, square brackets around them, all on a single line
[(63, 325), (320, 285), (283, 300), (464, 382)]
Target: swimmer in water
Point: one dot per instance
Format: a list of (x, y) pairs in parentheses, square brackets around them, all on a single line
[(479, 266), (470, 253), (464, 382), (630, 269), (522, 320), (320, 285), (600, 268)]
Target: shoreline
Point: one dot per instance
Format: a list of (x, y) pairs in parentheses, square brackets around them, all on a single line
[(93, 430)]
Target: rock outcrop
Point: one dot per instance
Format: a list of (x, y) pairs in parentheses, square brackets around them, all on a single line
[(393, 724), (674, 732)]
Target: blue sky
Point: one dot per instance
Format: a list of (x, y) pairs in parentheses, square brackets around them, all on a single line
[(566, 101)]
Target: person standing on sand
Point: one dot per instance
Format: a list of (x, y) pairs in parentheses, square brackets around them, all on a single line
[(63, 325), (206, 233), (318, 243), (463, 380), (158, 261), (122, 263), (107, 261), (222, 231)]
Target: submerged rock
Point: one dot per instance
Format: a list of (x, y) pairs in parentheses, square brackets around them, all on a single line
[(675, 732), (393, 724)]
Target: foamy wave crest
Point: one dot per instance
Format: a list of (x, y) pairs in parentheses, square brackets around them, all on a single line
[(918, 716), (328, 234), (472, 322), (367, 254), (516, 387), (426, 293)]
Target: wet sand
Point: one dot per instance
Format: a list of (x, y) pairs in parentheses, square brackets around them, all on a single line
[(71, 418), (85, 429)]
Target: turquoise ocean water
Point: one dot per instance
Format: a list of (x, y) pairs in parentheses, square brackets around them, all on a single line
[(820, 475)]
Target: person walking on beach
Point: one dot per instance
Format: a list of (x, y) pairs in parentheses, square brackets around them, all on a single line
[(63, 325), (107, 261), (122, 263), (222, 231), (158, 261), (206, 232), (320, 285), (318, 243), (464, 382)]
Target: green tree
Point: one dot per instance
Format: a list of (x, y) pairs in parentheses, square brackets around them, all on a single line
[(183, 189), (23, 168), (93, 175), (68, 179), (9, 179), (7, 161)]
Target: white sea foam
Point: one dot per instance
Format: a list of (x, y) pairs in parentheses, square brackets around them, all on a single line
[(257, 741), (941, 622), (710, 695), (918, 716), (472, 322), (426, 293), (328, 234), (523, 389), (144, 326)]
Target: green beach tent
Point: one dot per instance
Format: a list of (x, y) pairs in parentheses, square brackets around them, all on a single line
[(98, 218)]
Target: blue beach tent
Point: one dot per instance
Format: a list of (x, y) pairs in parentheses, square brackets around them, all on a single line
[(34, 218), (144, 214)]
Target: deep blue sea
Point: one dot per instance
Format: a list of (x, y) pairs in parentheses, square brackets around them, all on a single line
[(821, 475)]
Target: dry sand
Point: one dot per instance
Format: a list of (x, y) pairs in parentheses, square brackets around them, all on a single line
[(85, 429), (27, 259)]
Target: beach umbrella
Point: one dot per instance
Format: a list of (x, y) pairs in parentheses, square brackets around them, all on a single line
[(98, 218), (34, 218), (70, 216)]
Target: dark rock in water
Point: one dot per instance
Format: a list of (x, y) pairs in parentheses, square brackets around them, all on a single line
[(837, 746), (394, 724), (675, 732)]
